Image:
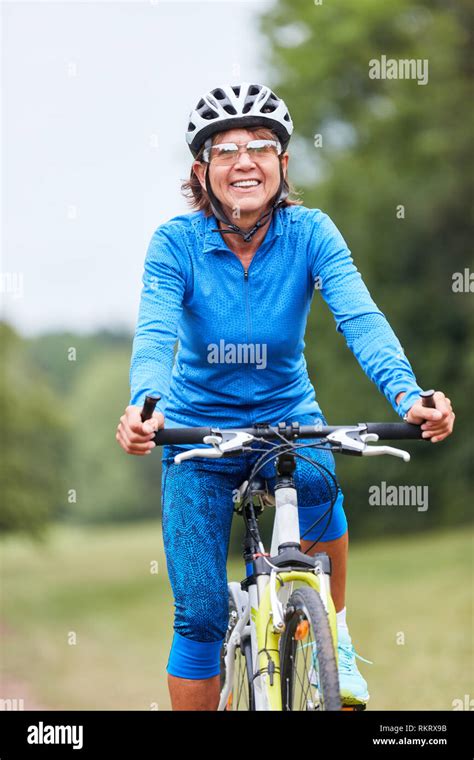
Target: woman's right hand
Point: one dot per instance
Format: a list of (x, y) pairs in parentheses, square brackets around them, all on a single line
[(135, 436)]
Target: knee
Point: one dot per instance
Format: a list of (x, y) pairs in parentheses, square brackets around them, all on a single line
[(199, 632), (203, 619)]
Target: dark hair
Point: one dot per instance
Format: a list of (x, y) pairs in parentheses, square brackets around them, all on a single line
[(197, 196)]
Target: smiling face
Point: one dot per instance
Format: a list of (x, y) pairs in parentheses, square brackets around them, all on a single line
[(247, 185)]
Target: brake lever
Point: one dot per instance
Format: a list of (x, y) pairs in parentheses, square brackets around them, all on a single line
[(226, 445), (354, 440), (373, 451), (349, 438)]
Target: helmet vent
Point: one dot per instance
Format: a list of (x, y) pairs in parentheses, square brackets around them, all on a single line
[(208, 114), (254, 89), (230, 109), (191, 127), (219, 94), (236, 90), (269, 106)]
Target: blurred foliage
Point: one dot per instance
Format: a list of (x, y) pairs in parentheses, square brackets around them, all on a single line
[(33, 442), (62, 398), (386, 143), (59, 354), (112, 485)]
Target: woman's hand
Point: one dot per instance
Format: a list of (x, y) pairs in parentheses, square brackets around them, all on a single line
[(436, 423), (135, 436)]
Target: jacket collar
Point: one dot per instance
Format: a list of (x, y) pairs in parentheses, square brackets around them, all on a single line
[(214, 241)]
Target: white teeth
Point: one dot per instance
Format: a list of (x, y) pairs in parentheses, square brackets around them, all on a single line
[(246, 183)]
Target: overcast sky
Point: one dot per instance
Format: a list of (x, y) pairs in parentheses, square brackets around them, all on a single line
[(95, 101)]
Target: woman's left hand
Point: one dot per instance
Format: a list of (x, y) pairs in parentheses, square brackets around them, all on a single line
[(436, 423)]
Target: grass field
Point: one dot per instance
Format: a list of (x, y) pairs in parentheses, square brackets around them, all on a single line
[(87, 621)]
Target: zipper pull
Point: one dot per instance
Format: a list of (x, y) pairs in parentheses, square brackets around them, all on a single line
[(246, 274)]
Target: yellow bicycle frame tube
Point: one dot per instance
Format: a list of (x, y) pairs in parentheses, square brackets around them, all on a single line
[(268, 639)]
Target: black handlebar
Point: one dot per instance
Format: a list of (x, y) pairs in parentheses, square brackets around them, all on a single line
[(395, 431), (387, 431)]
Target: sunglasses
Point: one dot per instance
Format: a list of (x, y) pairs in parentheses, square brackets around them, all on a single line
[(227, 153)]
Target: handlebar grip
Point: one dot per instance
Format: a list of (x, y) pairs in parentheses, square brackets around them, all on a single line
[(427, 399), (176, 436), (395, 431), (149, 407)]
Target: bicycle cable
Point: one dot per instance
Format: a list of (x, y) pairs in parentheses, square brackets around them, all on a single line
[(286, 447)]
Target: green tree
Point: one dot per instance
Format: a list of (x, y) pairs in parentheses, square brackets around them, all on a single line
[(390, 169), (33, 442), (62, 356), (109, 484)]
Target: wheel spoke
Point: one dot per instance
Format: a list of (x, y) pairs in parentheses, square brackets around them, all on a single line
[(241, 681)]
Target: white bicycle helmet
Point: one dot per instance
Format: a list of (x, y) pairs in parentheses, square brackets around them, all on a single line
[(233, 106)]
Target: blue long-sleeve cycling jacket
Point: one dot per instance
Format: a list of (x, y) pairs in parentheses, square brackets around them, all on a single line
[(241, 332)]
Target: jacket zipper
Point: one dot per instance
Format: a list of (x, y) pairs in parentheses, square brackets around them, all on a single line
[(247, 315)]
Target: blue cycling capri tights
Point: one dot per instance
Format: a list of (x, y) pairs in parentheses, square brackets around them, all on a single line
[(197, 510)]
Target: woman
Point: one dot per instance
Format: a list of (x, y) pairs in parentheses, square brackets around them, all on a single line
[(234, 281)]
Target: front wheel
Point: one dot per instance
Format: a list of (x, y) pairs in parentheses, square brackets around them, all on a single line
[(309, 675)]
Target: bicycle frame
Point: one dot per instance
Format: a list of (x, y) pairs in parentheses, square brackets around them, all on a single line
[(260, 611)]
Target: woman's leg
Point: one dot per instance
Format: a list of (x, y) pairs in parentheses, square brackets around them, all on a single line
[(337, 551), (188, 694), (197, 511)]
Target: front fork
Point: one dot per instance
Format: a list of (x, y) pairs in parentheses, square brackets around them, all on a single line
[(266, 612)]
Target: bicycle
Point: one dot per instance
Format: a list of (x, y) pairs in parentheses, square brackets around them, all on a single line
[(280, 649)]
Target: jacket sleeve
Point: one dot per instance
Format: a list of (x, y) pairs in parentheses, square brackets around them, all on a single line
[(365, 328), (161, 303)]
